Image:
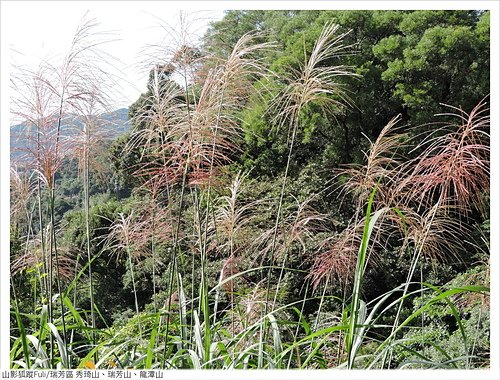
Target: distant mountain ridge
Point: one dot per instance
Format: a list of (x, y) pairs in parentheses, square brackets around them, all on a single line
[(118, 120), (112, 125)]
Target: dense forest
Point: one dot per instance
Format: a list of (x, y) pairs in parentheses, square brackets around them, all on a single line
[(303, 189)]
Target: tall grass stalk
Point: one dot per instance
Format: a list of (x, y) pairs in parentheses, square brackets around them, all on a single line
[(86, 195), (84, 148), (356, 315), (313, 83)]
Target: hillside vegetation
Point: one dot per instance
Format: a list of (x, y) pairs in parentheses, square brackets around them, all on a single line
[(304, 189)]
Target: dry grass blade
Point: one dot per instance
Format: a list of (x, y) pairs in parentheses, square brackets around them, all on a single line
[(436, 234), (381, 164), (161, 111), (32, 259), (22, 187), (133, 233), (234, 75), (42, 149), (215, 129), (338, 255), (47, 100), (316, 81), (144, 232), (120, 236), (121, 240), (193, 136), (231, 267), (252, 305), (227, 229), (299, 226), (177, 50), (86, 141), (454, 167)]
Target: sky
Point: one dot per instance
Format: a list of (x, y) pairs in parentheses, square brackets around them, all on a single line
[(42, 30), (36, 31)]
